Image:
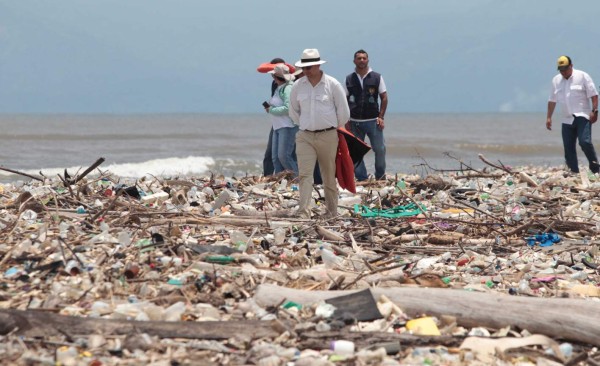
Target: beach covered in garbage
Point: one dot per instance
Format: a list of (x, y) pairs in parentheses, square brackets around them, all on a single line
[(473, 266)]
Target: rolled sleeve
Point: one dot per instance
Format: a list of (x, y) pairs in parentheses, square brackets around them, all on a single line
[(591, 90)]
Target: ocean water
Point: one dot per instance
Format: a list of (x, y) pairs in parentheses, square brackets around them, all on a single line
[(233, 145)]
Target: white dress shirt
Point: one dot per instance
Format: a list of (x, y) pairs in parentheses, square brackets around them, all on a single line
[(319, 107), (573, 95)]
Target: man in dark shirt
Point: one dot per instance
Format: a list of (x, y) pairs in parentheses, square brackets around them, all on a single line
[(364, 87)]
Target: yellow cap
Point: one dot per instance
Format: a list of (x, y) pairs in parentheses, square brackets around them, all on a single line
[(563, 62)]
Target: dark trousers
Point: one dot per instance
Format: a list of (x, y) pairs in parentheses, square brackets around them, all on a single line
[(268, 167), (581, 130)]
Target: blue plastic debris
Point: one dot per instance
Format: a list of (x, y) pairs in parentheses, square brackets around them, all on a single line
[(544, 240)]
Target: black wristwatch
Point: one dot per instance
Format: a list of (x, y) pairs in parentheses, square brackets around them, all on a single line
[(594, 110)]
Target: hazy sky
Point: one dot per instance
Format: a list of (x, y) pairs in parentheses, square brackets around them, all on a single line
[(146, 56)]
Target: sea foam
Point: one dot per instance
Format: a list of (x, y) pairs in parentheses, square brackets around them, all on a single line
[(191, 165)]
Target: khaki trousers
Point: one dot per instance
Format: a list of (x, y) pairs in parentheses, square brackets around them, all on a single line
[(310, 148)]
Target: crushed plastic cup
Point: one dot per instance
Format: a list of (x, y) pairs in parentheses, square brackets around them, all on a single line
[(29, 216), (325, 310)]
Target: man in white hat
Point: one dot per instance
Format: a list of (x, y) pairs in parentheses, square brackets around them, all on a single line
[(318, 105), (575, 92)]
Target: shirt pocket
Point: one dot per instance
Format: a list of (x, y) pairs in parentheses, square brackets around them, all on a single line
[(324, 104), (577, 91)]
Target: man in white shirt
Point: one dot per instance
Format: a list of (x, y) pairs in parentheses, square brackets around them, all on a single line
[(318, 105), (573, 89)]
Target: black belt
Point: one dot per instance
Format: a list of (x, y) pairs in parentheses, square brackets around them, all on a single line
[(323, 130)]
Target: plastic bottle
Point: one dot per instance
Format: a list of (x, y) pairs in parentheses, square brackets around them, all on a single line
[(156, 198), (192, 194), (63, 228), (239, 240), (124, 238), (343, 348), (401, 185), (329, 258), (66, 355), (279, 234), (283, 184), (224, 196), (524, 286), (174, 312), (350, 201), (72, 267), (579, 275), (131, 270)]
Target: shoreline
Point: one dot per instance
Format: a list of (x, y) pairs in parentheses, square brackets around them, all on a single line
[(195, 249)]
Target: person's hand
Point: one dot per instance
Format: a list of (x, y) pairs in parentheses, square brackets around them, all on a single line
[(380, 123), (267, 109), (549, 123), (593, 117)]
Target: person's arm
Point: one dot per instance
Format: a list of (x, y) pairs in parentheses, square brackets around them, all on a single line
[(342, 110), (285, 108), (294, 110), (594, 114), (551, 106), (382, 108)]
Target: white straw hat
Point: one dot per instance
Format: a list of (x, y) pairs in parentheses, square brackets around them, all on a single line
[(310, 57), (282, 71)]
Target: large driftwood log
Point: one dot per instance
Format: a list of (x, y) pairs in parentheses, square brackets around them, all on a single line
[(322, 340), (571, 319), (317, 273), (44, 324), (229, 220)]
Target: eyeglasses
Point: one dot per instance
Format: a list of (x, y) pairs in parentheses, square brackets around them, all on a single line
[(306, 67)]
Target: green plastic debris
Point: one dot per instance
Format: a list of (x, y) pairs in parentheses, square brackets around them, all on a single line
[(446, 280), (222, 259), (291, 304), (175, 281), (489, 283), (144, 244), (391, 213), (401, 185)]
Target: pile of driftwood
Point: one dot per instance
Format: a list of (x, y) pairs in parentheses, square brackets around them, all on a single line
[(458, 267)]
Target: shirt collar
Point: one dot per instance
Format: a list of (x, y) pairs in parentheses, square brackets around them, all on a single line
[(357, 74)]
